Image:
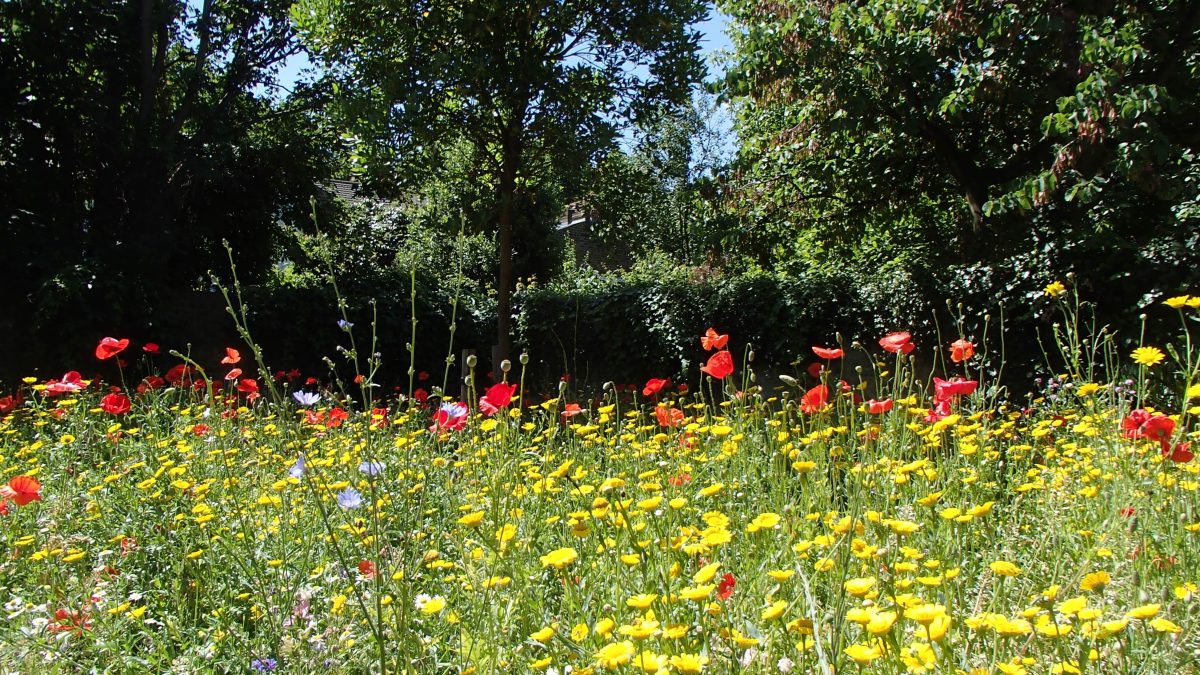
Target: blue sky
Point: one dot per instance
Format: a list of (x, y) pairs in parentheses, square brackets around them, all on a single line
[(713, 31)]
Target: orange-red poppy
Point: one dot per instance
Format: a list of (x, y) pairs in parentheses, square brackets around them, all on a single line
[(828, 353), (668, 417), (22, 490), (232, 356), (713, 340), (897, 342), (961, 350), (110, 347), (720, 365)]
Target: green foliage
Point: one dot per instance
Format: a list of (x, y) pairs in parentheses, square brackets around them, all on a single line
[(647, 322), (662, 193), (993, 123), (528, 85), (134, 138)]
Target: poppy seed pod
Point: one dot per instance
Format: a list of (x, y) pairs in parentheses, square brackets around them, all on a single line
[(524, 358), (505, 365), (472, 360)]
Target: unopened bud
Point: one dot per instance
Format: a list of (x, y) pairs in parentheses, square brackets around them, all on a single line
[(750, 356)]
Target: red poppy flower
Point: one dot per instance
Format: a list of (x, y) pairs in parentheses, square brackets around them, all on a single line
[(70, 622), (200, 429), (232, 356), (115, 404), (961, 350), (358, 379), (233, 374), (422, 376), (814, 399), (1181, 453), (336, 417), (720, 365), (497, 396), (654, 386), (420, 396), (449, 417), (9, 403), (366, 568), (179, 375), (249, 387), (956, 386), (668, 417), (71, 382), (879, 407), (22, 490), (3, 506), (679, 479), (1140, 423), (712, 340), (897, 342), (815, 369), (940, 410), (151, 348), (571, 410), (828, 353), (725, 588), (110, 347)]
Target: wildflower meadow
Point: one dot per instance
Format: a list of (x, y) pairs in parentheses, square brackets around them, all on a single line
[(906, 515)]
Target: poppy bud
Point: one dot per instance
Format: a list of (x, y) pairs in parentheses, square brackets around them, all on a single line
[(750, 356), (505, 365), (524, 358), (788, 380), (608, 386), (472, 360)]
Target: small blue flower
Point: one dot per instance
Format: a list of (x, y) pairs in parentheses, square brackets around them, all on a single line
[(371, 468), (297, 470), (264, 665), (306, 397), (344, 324), (349, 498)]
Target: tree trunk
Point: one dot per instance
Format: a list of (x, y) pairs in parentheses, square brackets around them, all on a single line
[(507, 194)]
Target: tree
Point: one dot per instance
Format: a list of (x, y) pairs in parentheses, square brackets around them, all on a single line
[(525, 82), (983, 121), (662, 193), (133, 143)]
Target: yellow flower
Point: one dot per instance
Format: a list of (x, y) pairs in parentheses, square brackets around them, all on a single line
[(1164, 626), (697, 593), (924, 614), (1055, 289), (1177, 302), (1073, 606), (615, 655), (859, 587), (1147, 356), (775, 610), (1095, 581), (705, 574), (560, 558), (471, 519), (763, 521), (1004, 568), (862, 654), (641, 600), (1144, 612), (881, 623), (433, 605), (689, 663), (543, 635), (650, 662)]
